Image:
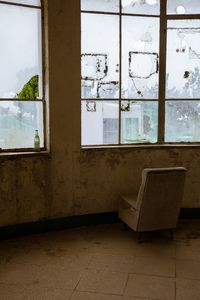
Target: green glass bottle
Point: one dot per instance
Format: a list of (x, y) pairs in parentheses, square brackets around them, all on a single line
[(36, 142)]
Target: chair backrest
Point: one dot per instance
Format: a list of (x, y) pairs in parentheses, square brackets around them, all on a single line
[(160, 197)]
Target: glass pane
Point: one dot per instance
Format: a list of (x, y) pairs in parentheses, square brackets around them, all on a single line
[(145, 7), (182, 7), (18, 122), (139, 122), (20, 51), (100, 56), (182, 121), (28, 2), (100, 121), (140, 48), (183, 59), (100, 5)]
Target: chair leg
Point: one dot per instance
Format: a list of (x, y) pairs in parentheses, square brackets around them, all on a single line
[(140, 237), (126, 227), (171, 234)]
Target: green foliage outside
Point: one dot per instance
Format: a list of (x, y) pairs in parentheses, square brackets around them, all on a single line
[(30, 90)]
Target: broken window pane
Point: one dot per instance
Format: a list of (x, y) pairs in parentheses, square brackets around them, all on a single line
[(140, 48), (182, 7), (183, 59), (100, 5), (28, 2), (182, 121), (100, 56), (18, 122), (20, 51), (145, 7), (139, 122), (100, 121)]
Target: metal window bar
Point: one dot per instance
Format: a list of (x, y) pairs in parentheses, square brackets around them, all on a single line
[(120, 70), (21, 4), (118, 13), (43, 45), (162, 72)]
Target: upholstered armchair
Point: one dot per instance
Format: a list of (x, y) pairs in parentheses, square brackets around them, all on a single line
[(157, 205)]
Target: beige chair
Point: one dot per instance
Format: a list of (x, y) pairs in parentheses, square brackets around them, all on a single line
[(157, 205)]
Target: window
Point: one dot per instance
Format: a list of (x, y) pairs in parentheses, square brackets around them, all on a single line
[(140, 72), (21, 80)]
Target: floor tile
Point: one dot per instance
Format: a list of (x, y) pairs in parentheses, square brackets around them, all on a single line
[(155, 266), (50, 275), (188, 269), (72, 260), (158, 248), (187, 229), (19, 274), (97, 296), (188, 250), (150, 287), (29, 256), (102, 282), (59, 276), (114, 245), (33, 292), (187, 289), (136, 298), (94, 296), (111, 262)]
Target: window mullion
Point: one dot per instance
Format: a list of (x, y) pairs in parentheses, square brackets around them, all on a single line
[(120, 67), (162, 71)]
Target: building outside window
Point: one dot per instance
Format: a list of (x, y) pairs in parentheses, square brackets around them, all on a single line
[(22, 98), (140, 72)]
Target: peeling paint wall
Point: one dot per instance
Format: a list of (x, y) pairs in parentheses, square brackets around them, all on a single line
[(71, 181)]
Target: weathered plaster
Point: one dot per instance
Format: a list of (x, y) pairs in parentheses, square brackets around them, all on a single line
[(71, 181)]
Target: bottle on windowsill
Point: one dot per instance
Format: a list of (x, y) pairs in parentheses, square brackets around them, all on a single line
[(36, 142)]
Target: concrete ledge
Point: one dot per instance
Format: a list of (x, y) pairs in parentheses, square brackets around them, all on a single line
[(11, 231)]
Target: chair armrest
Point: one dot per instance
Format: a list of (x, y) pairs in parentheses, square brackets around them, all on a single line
[(130, 200)]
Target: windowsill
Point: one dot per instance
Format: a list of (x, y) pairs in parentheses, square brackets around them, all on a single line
[(23, 154), (142, 146)]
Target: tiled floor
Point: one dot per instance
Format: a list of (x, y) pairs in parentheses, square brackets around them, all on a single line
[(102, 262)]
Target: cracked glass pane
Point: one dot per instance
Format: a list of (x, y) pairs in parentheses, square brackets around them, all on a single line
[(28, 2), (100, 56), (182, 7), (139, 122), (20, 51), (182, 122), (100, 122), (100, 5), (18, 122), (183, 59), (140, 48), (146, 7)]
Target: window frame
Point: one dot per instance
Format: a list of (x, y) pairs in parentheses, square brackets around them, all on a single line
[(42, 99), (162, 99)]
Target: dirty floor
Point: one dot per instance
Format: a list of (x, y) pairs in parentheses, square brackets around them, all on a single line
[(102, 262)]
